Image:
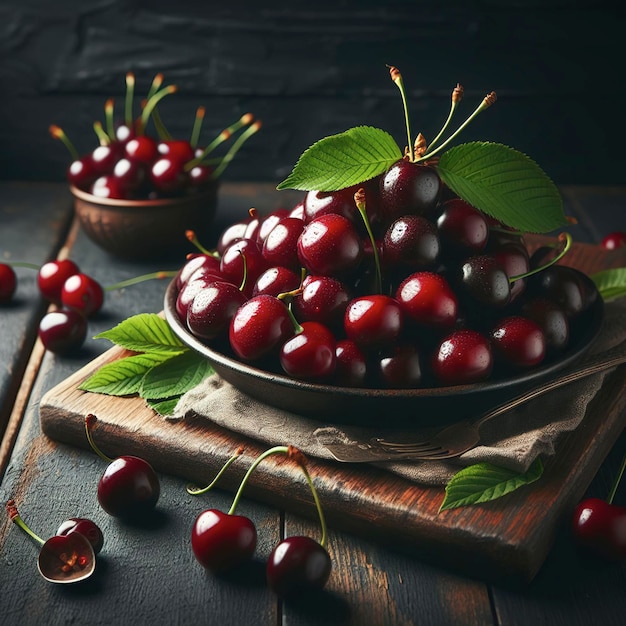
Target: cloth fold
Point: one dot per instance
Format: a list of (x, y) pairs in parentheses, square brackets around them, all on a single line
[(513, 440)]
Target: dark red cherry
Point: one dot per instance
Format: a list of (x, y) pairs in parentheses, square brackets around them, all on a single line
[(206, 262), (108, 186), (168, 175), (129, 487), (600, 528), (351, 364), (330, 245), (142, 148), (462, 228), (260, 326), (297, 564), (411, 241), (86, 528), (323, 299), (200, 175), (513, 257), (276, 280), (400, 368), (105, 157), (52, 276), (614, 240), (62, 331), (8, 282), (212, 308), (310, 353), (407, 188), (373, 321), (340, 202), (552, 320), (484, 280), (243, 255), (427, 299), (177, 149), (221, 541), (565, 286), (268, 222), (199, 281), (231, 234), (131, 174), (464, 356), (280, 246), (518, 342), (83, 294), (82, 173)]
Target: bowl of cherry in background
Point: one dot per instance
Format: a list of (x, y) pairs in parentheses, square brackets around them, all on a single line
[(438, 335), (140, 189)]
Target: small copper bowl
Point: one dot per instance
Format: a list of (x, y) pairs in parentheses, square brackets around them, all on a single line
[(145, 229)]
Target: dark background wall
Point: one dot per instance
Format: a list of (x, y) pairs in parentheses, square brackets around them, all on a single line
[(309, 69)]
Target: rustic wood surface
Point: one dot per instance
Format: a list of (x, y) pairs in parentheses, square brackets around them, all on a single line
[(147, 574)]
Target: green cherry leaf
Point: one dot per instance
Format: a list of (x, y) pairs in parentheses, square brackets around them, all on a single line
[(611, 283), (505, 184), (165, 408), (146, 332), (484, 482), (343, 160)]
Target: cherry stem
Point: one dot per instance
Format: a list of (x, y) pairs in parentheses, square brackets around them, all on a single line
[(151, 104), (108, 116), (197, 491), (130, 95), (396, 77), (297, 456), (30, 266), (360, 201), (18, 521), (58, 133), (104, 139), (225, 135), (568, 243), (487, 101), (193, 238), (140, 279), (157, 81), (230, 155), (617, 482), (197, 126), (90, 420), (457, 96)]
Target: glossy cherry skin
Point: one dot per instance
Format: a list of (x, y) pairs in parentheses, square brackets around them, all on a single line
[(427, 299), (280, 247), (178, 149), (464, 356), (168, 175), (276, 280), (108, 186), (462, 228), (52, 276), (82, 293), (552, 320), (297, 564), (614, 240), (407, 188), (221, 542), (350, 365), (206, 262), (400, 368), (268, 222), (85, 527), (259, 327), (142, 148), (411, 241), (243, 255), (105, 157), (212, 308), (62, 331), (8, 282), (484, 280), (310, 353), (129, 487), (323, 299), (518, 342), (82, 173), (130, 174), (330, 245), (600, 528), (191, 288), (373, 321), (513, 257), (231, 234)]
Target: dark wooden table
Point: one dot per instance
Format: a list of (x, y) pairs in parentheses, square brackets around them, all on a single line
[(147, 574)]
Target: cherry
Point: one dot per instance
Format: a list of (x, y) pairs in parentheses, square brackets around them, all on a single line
[(168, 175), (297, 563), (82, 173), (8, 282), (105, 157), (190, 289), (280, 246), (259, 327), (68, 558), (82, 293), (340, 202), (552, 320), (614, 240), (62, 331), (178, 149), (268, 222), (129, 487), (243, 260), (200, 175), (408, 188), (85, 527), (142, 148), (462, 228), (130, 174), (322, 299), (401, 368), (206, 262), (483, 278), (222, 541), (351, 364), (464, 356), (275, 281), (330, 245), (373, 321), (109, 187), (411, 241), (52, 276), (518, 342), (310, 353), (231, 234), (513, 257), (427, 299)]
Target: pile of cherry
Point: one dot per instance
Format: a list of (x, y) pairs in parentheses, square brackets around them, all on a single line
[(396, 283)]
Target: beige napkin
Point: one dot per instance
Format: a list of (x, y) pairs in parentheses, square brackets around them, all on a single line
[(513, 440)]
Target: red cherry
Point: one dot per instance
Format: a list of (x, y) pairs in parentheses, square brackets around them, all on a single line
[(109, 187), (221, 541), (427, 299), (62, 331), (462, 228), (142, 148), (464, 356), (614, 240), (8, 282), (82, 173), (296, 564), (280, 247), (351, 364), (323, 299), (373, 321), (518, 342), (177, 149), (276, 280), (205, 262), (52, 276), (310, 353), (168, 175), (268, 222), (242, 256), (82, 293), (600, 528), (85, 527), (105, 157)]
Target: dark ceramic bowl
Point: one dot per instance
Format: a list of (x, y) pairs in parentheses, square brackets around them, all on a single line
[(145, 229), (391, 407)]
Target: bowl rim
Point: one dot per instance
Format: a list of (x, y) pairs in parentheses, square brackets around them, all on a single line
[(588, 337), (85, 196)]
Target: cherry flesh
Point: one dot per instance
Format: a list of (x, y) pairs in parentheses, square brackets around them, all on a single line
[(221, 541), (297, 564)]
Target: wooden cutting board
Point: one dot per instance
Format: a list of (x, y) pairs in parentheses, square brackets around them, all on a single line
[(506, 540)]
